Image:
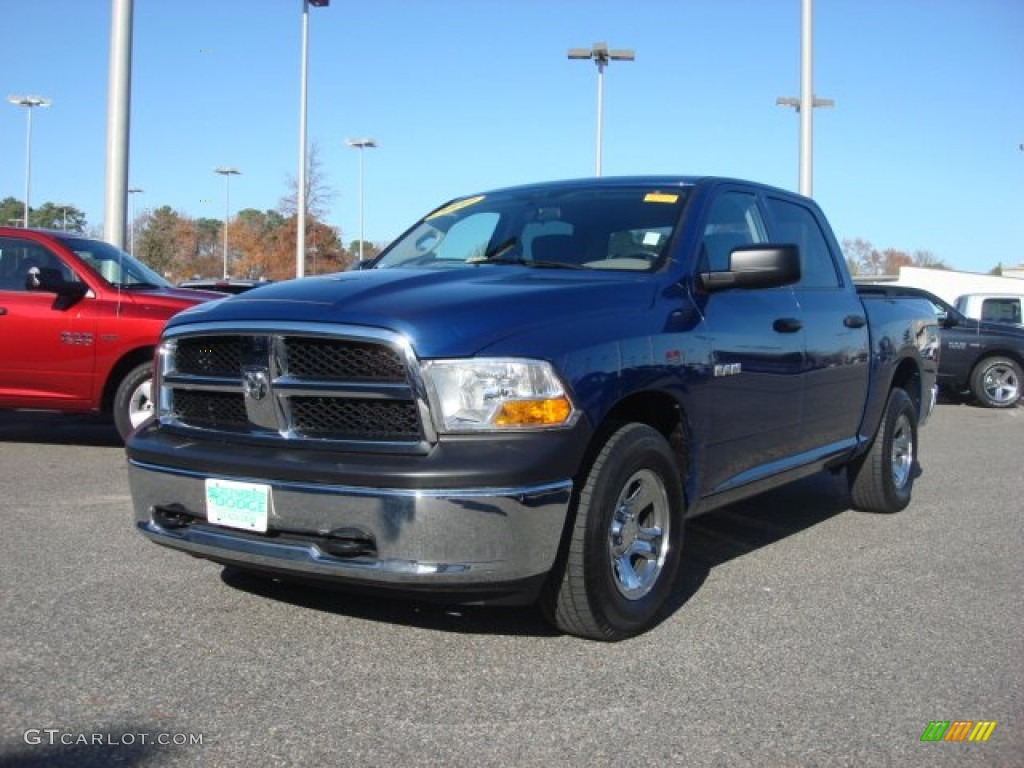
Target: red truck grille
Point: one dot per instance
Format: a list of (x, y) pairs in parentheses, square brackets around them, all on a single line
[(294, 386)]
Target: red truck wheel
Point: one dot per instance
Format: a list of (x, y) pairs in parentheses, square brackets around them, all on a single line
[(626, 541), (132, 401)]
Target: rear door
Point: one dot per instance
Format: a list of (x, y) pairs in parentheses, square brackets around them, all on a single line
[(47, 350), (835, 330)]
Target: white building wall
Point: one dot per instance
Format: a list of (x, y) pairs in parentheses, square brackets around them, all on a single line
[(950, 285)]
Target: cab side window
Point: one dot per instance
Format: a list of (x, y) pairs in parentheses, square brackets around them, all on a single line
[(18, 256), (733, 220), (1001, 310), (797, 225)]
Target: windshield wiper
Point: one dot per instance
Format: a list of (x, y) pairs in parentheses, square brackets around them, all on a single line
[(496, 256)]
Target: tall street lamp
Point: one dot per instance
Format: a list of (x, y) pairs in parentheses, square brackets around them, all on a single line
[(806, 103), (361, 144), (300, 235), (132, 192), (28, 102), (227, 172), (601, 56)]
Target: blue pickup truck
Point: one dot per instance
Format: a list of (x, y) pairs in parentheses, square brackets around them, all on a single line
[(527, 394)]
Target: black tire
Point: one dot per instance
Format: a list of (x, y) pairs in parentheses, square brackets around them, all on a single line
[(132, 403), (882, 480), (995, 382), (626, 541)]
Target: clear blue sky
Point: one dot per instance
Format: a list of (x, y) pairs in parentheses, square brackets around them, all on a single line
[(920, 152)]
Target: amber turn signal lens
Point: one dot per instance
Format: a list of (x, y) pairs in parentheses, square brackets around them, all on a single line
[(533, 413)]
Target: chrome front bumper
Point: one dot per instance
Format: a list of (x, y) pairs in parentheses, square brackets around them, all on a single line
[(444, 539)]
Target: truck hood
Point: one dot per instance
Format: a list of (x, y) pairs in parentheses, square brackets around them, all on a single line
[(165, 300), (171, 295), (446, 312)]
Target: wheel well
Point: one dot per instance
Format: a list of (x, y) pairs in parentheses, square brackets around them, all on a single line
[(990, 353), (658, 410), (908, 378), (118, 372)]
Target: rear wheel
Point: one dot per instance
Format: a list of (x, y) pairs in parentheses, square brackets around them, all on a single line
[(133, 402), (882, 480), (995, 382), (625, 545)]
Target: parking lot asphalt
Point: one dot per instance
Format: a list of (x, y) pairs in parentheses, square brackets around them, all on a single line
[(802, 634)]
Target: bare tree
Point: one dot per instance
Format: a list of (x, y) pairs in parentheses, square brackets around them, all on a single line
[(864, 259), (319, 193), (928, 260)]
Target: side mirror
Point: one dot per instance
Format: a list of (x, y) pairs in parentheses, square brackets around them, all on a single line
[(756, 266), (49, 280)]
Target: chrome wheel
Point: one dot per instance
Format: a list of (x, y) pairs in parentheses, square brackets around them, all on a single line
[(902, 451), (620, 566), (140, 405), (1002, 384), (638, 534)]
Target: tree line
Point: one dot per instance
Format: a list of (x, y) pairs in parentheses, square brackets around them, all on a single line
[(864, 260), (260, 244), (47, 215)]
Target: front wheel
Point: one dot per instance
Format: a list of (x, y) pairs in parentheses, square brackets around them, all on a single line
[(882, 480), (133, 402), (995, 382), (626, 541)]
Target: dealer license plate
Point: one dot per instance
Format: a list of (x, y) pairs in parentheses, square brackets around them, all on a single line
[(238, 505)]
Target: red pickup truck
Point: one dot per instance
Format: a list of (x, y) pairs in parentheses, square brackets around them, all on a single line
[(79, 320)]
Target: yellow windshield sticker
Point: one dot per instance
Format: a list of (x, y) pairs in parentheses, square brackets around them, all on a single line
[(458, 205), (660, 197)]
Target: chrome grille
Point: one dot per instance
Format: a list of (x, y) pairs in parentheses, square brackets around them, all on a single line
[(304, 384)]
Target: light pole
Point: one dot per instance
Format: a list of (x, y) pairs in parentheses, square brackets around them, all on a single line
[(132, 191), (806, 103), (28, 102), (227, 172), (361, 144), (601, 56), (119, 97), (300, 235)]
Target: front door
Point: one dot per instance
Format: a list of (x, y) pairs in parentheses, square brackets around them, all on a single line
[(751, 401), (47, 353)]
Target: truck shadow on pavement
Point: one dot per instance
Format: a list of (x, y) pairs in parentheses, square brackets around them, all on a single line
[(48, 428), (710, 541)]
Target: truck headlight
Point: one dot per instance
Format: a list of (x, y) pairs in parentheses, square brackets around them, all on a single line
[(497, 394)]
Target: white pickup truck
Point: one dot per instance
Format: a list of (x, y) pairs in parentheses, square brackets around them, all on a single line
[(992, 307)]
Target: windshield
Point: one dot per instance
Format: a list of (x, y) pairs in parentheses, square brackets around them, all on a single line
[(618, 228), (114, 265)]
